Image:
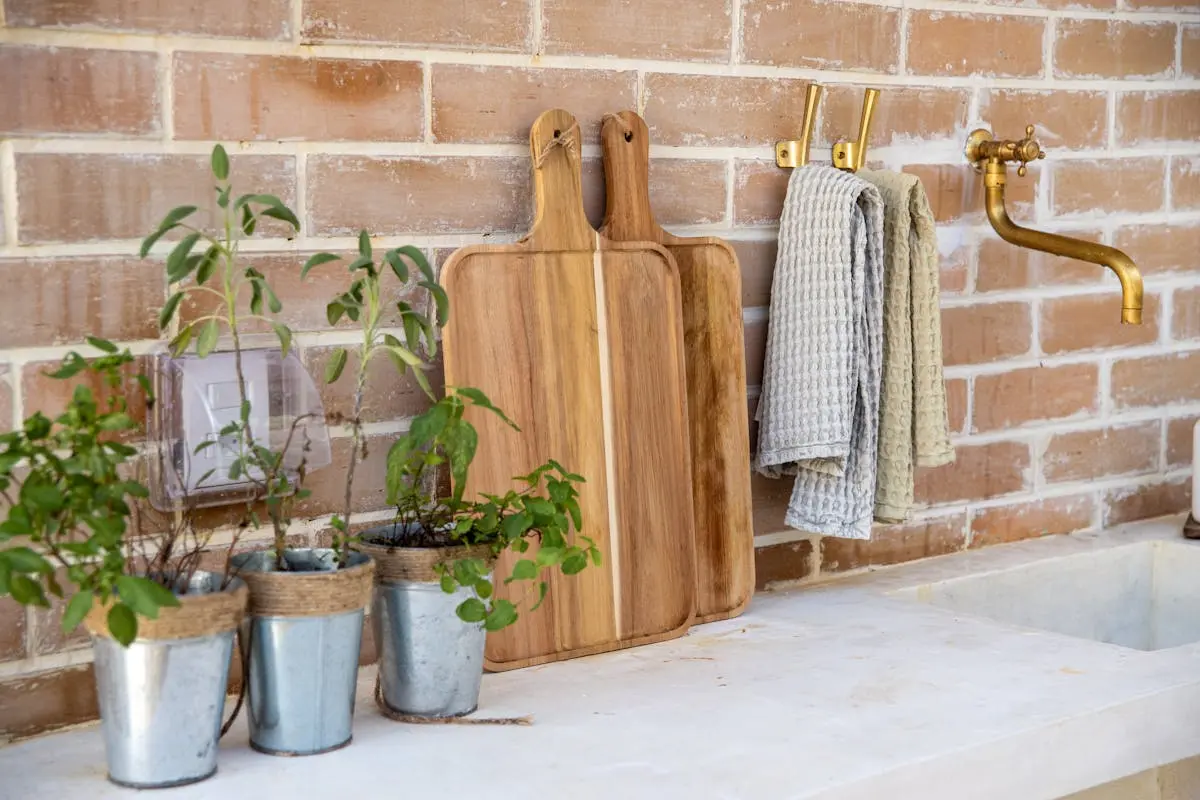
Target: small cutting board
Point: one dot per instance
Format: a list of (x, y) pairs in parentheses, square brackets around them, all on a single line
[(716, 372), (580, 341)]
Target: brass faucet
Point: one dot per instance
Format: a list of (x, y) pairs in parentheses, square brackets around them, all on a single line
[(991, 157)]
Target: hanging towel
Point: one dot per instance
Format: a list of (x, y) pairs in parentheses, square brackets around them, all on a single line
[(913, 425), (819, 406)]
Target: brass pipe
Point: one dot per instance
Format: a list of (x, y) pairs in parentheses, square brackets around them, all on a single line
[(994, 157)]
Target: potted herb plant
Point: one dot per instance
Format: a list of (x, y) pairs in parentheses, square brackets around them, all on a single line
[(434, 600), (162, 629), (303, 627)]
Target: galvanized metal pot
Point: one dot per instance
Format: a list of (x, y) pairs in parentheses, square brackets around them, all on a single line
[(303, 632), (162, 698), (430, 661)]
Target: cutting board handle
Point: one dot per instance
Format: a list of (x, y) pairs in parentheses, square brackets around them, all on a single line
[(559, 222), (628, 217)]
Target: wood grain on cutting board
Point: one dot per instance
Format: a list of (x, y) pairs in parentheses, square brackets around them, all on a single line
[(716, 372), (581, 341)]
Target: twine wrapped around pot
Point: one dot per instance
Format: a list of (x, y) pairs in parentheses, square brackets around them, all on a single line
[(309, 594), (416, 564), (196, 615)]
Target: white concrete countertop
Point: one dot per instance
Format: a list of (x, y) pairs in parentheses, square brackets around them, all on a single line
[(836, 692)]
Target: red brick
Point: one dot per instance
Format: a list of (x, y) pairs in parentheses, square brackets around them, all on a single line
[(1003, 266), (687, 192), (245, 97), (791, 561), (52, 395), (12, 629), (1156, 380), (719, 110), (328, 485), (1191, 51), (31, 704), (1173, 247), (757, 261), (68, 90), (956, 402), (1092, 322), (1129, 504), (1096, 48), (979, 472), (1185, 183), (1019, 521), (1060, 118), (956, 191), (269, 19), (821, 35), (895, 544), (6, 399), (758, 192), (953, 270), (392, 195), (949, 43), (1098, 187), (90, 197), (910, 114), (1152, 117), (653, 29), (755, 338), (1036, 394), (389, 395), (1185, 322), (1180, 433), (499, 104), (1117, 450), (987, 332), (59, 300), (480, 25)]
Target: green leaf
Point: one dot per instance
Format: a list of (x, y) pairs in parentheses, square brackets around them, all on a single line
[(23, 559), (483, 588), (283, 214), (516, 525), (542, 588), (285, 337), (397, 264), (76, 610), (208, 264), (418, 258), (248, 221), (480, 399), (471, 610), (441, 301), (42, 496), (27, 591), (503, 614), (102, 344), (574, 563), (208, 338), (364, 244), (272, 300), (144, 596), (150, 240), (572, 506), (550, 556), (337, 362), (178, 264), (460, 441), (223, 196), (119, 421), (523, 570), (360, 263), (122, 624), (180, 343), (168, 310), (177, 214), (316, 260), (402, 355), (220, 163), (256, 296), (429, 424), (449, 586), (334, 312), (72, 365)]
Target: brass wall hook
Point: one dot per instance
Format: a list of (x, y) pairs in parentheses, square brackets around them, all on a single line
[(848, 156), (991, 157)]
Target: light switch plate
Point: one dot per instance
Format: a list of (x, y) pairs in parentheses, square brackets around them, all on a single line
[(211, 401)]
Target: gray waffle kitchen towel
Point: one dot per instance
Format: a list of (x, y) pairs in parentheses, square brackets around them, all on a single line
[(818, 411), (913, 424)]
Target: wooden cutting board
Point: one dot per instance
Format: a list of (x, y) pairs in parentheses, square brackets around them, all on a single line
[(716, 372), (580, 341)]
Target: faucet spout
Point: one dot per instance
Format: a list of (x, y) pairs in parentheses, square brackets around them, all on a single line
[(1092, 252), (991, 157)]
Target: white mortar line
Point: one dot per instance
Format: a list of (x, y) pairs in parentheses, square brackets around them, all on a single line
[(301, 201), (297, 20), (536, 32), (427, 100), (1049, 35), (1178, 51), (53, 661), (735, 34), (730, 190)]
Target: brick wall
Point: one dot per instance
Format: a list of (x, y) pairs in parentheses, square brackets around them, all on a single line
[(410, 118)]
